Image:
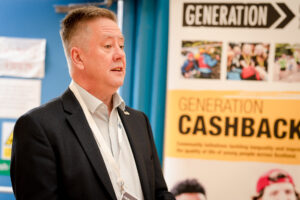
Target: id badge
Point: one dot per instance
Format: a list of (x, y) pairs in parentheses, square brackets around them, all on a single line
[(127, 196)]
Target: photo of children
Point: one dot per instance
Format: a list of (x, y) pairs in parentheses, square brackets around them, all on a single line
[(276, 184), (287, 63), (189, 189), (201, 59), (247, 61)]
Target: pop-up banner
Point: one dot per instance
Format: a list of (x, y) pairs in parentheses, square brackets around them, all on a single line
[(233, 99)]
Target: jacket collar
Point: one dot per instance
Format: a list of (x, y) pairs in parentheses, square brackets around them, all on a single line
[(78, 122), (89, 145), (136, 140)]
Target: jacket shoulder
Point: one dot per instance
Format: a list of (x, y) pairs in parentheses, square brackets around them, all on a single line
[(51, 109)]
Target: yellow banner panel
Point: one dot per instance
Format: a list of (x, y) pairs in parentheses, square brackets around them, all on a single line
[(233, 126)]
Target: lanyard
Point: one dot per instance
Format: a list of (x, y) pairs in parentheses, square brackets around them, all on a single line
[(100, 140)]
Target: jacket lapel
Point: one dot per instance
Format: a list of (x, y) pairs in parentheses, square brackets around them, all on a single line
[(77, 120), (136, 143)]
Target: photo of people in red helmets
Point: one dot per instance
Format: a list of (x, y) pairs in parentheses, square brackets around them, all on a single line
[(276, 184), (247, 61), (287, 62), (201, 59)]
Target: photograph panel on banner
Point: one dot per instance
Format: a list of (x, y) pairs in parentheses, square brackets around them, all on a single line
[(232, 127), (247, 61), (201, 59), (287, 62)]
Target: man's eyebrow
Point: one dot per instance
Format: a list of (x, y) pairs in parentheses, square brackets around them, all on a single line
[(111, 37)]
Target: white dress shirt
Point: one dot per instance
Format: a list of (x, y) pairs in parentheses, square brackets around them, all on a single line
[(108, 126)]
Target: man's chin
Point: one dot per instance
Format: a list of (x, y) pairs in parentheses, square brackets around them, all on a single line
[(117, 85)]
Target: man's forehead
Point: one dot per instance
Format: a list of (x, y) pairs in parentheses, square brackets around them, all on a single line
[(276, 186), (191, 196), (106, 27), (110, 36)]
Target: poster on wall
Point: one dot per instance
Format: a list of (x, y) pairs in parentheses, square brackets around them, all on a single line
[(18, 96), (6, 145), (22, 57), (232, 128)]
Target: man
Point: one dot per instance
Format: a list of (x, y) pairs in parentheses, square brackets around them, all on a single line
[(86, 144), (189, 65), (276, 184), (189, 189), (206, 62)]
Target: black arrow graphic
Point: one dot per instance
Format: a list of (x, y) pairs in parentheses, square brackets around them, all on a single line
[(273, 15), (235, 15), (288, 13)]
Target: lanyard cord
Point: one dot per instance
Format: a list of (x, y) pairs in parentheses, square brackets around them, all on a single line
[(99, 138)]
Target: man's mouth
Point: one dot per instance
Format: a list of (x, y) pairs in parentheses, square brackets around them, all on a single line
[(117, 69)]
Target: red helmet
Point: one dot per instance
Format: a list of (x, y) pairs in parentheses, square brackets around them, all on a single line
[(271, 177)]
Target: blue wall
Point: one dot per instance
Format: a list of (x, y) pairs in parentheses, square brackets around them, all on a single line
[(38, 19)]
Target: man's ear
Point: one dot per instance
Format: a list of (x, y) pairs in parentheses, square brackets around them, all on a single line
[(76, 57)]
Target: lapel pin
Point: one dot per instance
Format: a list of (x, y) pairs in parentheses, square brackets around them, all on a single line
[(126, 113)]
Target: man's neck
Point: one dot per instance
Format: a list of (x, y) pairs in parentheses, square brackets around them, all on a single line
[(106, 96), (108, 102)]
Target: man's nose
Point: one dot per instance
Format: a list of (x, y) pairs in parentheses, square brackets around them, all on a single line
[(118, 53)]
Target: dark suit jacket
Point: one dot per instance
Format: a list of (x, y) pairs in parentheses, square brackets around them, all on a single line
[(55, 155)]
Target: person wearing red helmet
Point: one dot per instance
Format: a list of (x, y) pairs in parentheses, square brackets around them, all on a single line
[(276, 184), (189, 65)]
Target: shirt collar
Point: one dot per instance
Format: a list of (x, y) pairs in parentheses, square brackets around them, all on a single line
[(93, 102)]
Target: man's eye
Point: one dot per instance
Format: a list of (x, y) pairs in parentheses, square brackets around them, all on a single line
[(108, 46), (121, 46)]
